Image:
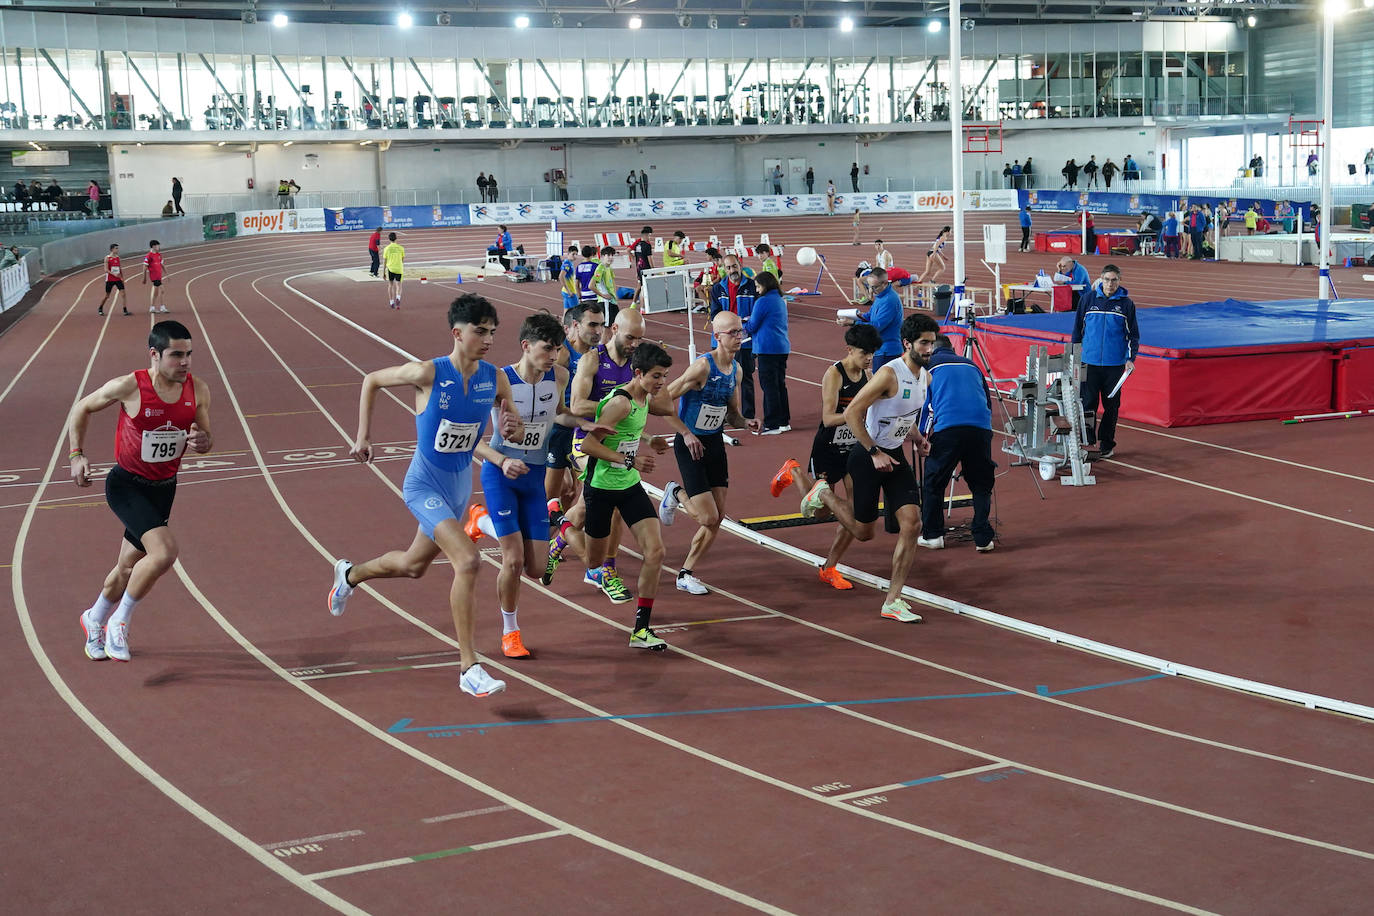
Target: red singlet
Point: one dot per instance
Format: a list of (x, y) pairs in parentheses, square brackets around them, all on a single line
[(112, 272), (151, 444), (152, 262)]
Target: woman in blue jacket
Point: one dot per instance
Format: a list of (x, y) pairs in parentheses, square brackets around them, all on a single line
[(767, 326)]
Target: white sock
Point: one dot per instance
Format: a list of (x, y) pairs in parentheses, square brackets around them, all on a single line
[(508, 624), (101, 609), (487, 528), (124, 611)]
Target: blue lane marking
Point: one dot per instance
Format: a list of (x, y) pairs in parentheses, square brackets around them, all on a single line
[(403, 726), (921, 782), (1045, 691)]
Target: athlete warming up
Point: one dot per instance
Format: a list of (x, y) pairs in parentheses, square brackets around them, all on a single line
[(454, 397), (882, 416), (163, 410)]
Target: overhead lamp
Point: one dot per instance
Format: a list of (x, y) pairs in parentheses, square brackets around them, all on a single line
[(934, 26), (557, 20), (846, 24), (364, 142), (522, 22), (221, 143), (635, 22), (405, 20), (288, 143), (1335, 8), (743, 22), (1251, 20), (443, 18), (279, 20), (712, 22), (40, 149), (1368, 3)]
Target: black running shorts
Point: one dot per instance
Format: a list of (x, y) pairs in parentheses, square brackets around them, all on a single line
[(634, 505), (898, 486), (141, 504), (713, 470)]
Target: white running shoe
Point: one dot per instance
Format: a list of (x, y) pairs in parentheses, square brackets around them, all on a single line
[(900, 611), (988, 547), (117, 641), (340, 593), (932, 543), (691, 585), (95, 638), (163, 310), (667, 507), (477, 682)]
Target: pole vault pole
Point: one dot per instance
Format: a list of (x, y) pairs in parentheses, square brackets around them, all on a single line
[(1332, 10), (956, 145)]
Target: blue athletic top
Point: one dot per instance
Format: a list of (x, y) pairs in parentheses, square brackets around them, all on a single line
[(537, 405), (567, 267), (704, 410), (573, 358), (584, 272), (453, 421)]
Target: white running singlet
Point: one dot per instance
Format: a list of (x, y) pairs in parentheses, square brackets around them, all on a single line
[(888, 421)]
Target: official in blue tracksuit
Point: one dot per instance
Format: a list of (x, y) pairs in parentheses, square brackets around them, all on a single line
[(1025, 228), (1077, 274), (885, 314), (766, 329), (1105, 325), (957, 419), (736, 293)]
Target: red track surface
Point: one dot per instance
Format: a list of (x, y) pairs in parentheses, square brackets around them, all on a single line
[(283, 744)]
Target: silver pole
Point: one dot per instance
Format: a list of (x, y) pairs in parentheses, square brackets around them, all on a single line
[(1332, 10), (956, 145)]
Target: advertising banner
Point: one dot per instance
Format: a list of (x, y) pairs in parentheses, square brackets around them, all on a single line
[(409, 217), (1134, 204), (220, 225), (273, 222)]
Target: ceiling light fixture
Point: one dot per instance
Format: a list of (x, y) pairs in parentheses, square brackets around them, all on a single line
[(846, 24), (288, 143), (221, 143), (405, 20), (934, 25), (522, 22), (635, 22), (1250, 21), (280, 20)]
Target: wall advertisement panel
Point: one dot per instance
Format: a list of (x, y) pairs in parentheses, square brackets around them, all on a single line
[(410, 217)]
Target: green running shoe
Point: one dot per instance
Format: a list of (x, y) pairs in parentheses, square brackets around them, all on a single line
[(614, 588), (644, 638), (550, 567)]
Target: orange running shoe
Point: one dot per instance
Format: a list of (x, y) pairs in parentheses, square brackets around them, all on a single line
[(476, 513), (783, 478), (512, 647), (830, 575)]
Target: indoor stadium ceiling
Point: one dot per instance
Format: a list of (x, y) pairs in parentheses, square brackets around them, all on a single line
[(696, 14)]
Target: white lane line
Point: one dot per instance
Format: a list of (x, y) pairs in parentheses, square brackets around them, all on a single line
[(442, 854), (362, 724), (1241, 451), (476, 812), (960, 842), (1245, 496), (406, 658), (101, 731), (338, 674), (322, 838)]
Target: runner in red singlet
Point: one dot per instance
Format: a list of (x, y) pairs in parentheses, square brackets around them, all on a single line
[(152, 271), (163, 411), (114, 280)]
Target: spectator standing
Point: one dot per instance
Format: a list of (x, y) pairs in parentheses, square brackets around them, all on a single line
[(643, 252), (643, 182), (560, 183), (1090, 171), (1369, 166), (1006, 174), (1169, 234), (1025, 228), (1090, 232), (54, 192), (1130, 171), (1251, 219), (36, 194), (1016, 174), (1109, 170), (283, 193), (176, 195), (21, 195), (1028, 174), (884, 315), (1198, 223), (777, 179), (93, 198), (1257, 166), (493, 189), (810, 180), (1070, 173), (482, 186), (632, 184), (374, 250), (1312, 163), (830, 197), (1105, 324), (854, 176), (767, 328)]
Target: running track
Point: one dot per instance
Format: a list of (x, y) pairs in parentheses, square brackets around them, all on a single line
[(792, 751)]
